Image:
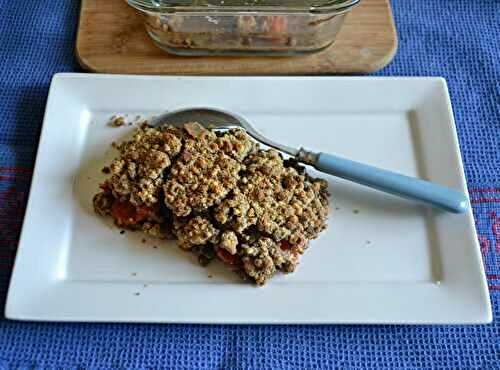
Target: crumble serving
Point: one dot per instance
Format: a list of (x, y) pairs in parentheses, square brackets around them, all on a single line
[(219, 194)]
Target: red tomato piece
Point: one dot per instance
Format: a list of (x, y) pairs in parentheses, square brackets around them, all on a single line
[(278, 24), (127, 214), (227, 257), (285, 245)]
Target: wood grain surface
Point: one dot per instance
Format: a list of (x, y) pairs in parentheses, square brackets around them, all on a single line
[(112, 39)]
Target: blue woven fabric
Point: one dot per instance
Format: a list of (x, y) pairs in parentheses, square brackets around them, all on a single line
[(457, 39)]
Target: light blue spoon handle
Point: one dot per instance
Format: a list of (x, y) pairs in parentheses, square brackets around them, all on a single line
[(394, 183)]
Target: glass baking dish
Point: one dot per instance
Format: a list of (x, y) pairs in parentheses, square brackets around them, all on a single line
[(243, 27)]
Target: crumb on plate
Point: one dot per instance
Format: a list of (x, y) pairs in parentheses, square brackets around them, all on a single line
[(117, 121)]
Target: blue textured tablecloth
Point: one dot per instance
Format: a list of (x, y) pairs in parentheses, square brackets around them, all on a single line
[(457, 39)]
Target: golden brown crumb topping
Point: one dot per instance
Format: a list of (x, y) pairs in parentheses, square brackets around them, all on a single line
[(277, 199), (136, 176), (206, 171), (219, 195)]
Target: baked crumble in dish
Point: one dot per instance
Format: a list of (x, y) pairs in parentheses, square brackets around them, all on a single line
[(218, 194)]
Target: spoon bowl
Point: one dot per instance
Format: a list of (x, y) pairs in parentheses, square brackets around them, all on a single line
[(217, 119)]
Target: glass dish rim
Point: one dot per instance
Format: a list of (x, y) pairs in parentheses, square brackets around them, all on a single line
[(332, 7)]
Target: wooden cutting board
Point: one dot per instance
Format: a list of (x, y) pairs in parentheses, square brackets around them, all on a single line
[(112, 39)]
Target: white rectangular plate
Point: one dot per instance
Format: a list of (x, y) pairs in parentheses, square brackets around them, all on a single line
[(381, 260)]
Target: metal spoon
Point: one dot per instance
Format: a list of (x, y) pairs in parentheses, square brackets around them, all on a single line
[(390, 182)]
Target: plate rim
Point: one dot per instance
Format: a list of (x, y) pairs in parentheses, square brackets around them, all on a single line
[(14, 309)]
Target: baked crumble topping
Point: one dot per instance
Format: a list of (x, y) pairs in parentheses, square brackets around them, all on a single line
[(219, 194)]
